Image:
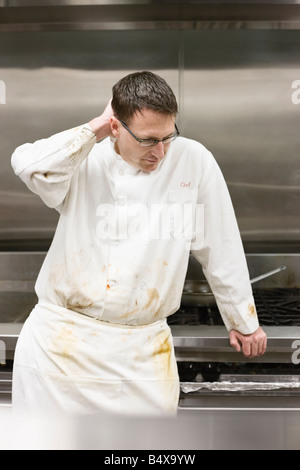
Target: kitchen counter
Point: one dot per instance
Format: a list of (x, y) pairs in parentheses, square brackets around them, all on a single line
[(202, 429)]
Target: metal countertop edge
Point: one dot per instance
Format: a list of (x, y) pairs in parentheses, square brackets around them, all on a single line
[(208, 337), (189, 331)]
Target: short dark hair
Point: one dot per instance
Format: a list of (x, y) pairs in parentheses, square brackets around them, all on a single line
[(142, 90)]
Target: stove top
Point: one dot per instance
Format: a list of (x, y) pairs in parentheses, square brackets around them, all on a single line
[(275, 307), (203, 351), (278, 306)]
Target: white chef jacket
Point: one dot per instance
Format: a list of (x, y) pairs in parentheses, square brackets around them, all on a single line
[(121, 248), (98, 266)]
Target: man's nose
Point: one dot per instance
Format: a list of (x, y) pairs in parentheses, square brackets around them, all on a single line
[(158, 150)]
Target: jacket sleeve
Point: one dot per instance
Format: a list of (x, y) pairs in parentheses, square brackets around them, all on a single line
[(47, 166), (221, 252)]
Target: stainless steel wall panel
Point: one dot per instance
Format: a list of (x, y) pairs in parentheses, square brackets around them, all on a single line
[(235, 93), (237, 97), (16, 15)]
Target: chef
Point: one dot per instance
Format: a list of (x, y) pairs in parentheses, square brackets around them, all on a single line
[(134, 198)]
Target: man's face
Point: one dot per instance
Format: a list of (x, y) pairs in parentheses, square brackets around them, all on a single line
[(146, 125)]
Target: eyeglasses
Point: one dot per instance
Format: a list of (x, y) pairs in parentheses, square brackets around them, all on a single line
[(152, 142)]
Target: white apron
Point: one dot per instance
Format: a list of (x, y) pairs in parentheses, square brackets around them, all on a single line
[(66, 361)]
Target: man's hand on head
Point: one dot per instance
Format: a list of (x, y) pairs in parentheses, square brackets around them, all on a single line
[(101, 125)]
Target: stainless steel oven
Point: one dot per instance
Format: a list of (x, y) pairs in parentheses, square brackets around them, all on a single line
[(213, 375)]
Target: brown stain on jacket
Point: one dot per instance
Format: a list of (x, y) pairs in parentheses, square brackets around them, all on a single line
[(153, 296), (252, 311)]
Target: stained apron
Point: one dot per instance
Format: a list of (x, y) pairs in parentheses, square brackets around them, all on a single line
[(66, 361)]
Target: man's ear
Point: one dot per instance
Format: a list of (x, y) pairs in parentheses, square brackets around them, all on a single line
[(115, 125)]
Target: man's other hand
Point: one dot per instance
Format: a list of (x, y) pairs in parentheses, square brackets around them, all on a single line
[(251, 345)]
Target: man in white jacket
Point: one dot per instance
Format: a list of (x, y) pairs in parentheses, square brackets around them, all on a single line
[(134, 200)]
